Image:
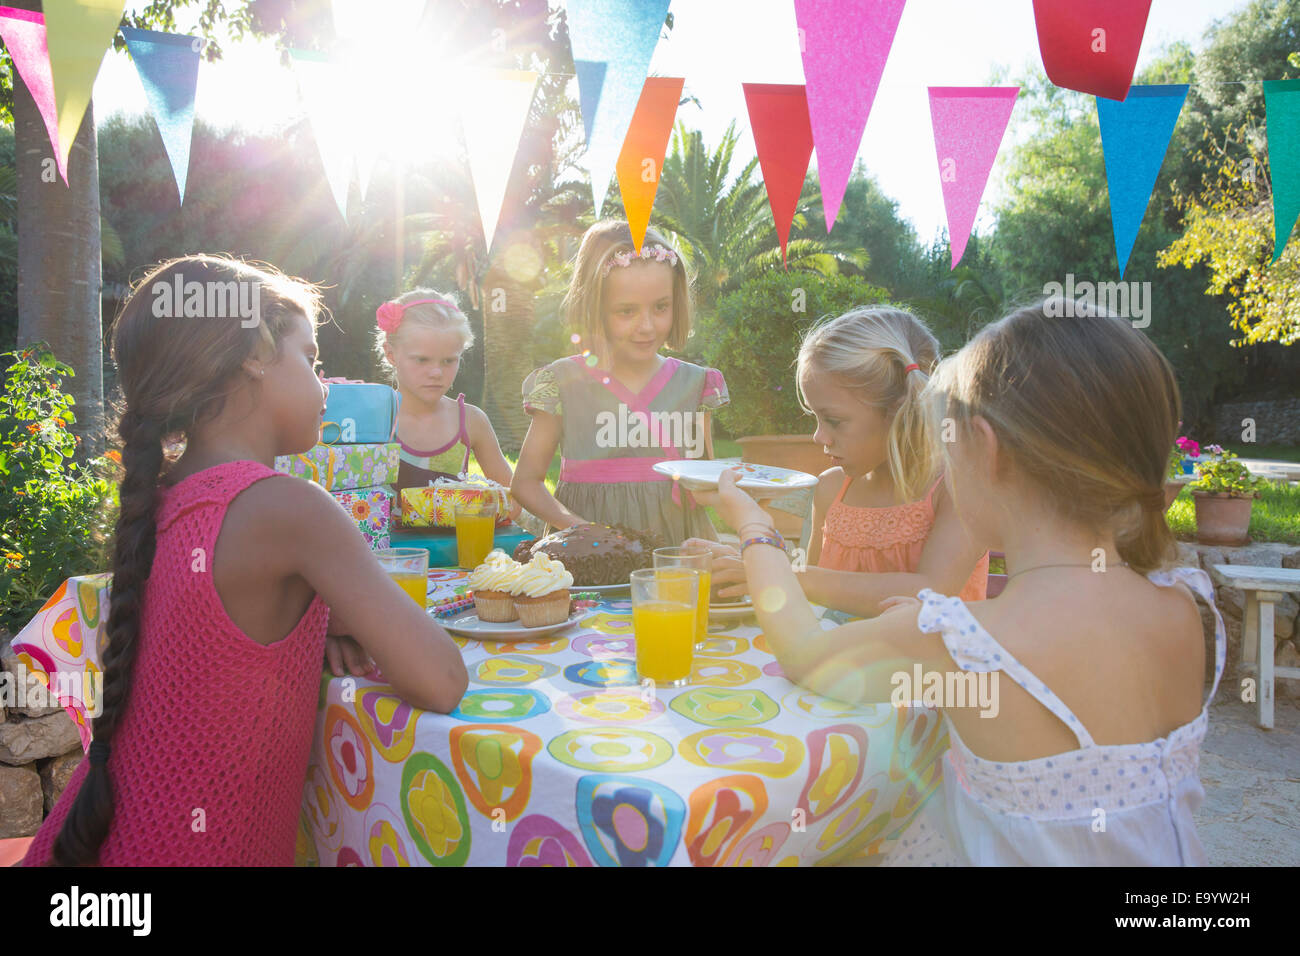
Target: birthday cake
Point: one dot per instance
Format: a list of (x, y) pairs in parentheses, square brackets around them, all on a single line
[(595, 554)]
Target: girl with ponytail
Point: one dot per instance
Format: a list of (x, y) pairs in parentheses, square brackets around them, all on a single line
[(881, 509), (226, 578), (1078, 694)]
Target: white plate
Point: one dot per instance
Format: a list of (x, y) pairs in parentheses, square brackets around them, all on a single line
[(468, 625), (608, 590), (731, 610), (760, 481)]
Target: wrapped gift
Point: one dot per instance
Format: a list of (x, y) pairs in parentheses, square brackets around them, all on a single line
[(434, 506), (360, 413), (371, 508), (345, 467)]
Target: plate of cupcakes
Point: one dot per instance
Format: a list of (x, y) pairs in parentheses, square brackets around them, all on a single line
[(514, 601)]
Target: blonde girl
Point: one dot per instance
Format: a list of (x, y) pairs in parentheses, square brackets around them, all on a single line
[(625, 308), (1062, 428), (421, 338)]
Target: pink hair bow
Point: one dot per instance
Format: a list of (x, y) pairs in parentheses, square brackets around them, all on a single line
[(389, 315)]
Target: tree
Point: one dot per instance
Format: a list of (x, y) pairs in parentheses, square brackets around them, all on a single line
[(59, 278)]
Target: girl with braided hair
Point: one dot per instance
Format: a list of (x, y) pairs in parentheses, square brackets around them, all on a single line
[(226, 578)]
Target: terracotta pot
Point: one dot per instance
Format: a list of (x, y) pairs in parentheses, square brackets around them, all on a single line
[(796, 452), (1222, 519)]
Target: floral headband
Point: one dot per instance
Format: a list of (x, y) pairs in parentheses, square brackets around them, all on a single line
[(389, 315), (656, 252)]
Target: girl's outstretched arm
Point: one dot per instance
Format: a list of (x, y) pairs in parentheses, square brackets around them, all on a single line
[(487, 452), (529, 484), (320, 542)]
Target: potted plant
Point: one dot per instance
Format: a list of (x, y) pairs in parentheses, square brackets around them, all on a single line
[(754, 337), (1223, 490)]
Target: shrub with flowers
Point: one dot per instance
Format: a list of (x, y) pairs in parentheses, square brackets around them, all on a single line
[(1224, 474), (56, 516), (1183, 449)]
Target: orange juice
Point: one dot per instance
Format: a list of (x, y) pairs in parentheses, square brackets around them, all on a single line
[(674, 585), (474, 539), (665, 640), (415, 585)]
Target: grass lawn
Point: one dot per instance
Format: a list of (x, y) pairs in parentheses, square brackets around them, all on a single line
[(1277, 452), (1275, 516)]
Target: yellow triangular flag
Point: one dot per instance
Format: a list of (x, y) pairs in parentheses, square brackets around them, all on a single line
[(79, 33)]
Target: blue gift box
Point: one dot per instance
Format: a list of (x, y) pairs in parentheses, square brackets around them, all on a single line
[(360, 413), (441, 545)]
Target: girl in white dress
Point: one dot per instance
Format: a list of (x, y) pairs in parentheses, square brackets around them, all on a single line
[(1075, 700)]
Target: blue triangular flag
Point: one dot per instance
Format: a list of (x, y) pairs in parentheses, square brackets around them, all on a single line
[(620, 36), (168, 65), (1135, 134)]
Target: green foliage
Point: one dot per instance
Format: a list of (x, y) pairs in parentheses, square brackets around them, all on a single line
[(55, 516), (1224, 474), (754, 338)]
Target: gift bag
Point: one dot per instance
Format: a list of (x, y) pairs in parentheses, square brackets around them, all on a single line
[(360, 413), (435, 505)]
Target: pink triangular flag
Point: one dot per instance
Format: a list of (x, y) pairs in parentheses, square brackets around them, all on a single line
[(969, 122), (24, 35), (845, 44)]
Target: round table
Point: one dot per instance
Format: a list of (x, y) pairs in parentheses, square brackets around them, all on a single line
[(556, 756)]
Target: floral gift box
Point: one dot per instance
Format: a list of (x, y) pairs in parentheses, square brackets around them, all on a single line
[(344, 467), (371, 509)]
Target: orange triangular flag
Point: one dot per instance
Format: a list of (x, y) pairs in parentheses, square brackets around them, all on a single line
[(642, 158)]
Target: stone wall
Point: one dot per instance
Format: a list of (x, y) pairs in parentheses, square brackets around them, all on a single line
[(1231, 602), (39, 750), (1276, 423)]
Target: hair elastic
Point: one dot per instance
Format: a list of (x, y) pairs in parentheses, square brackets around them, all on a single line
[(97, 753), (910, 367), (389, 315)]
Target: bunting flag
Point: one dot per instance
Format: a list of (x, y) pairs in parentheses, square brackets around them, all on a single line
[(845, 44), (778, 115), (613, 41), (78, 34), (495, 107), (24, 34), (168, 65), (1282, 122), (1091, 45), (1135, 135), (324, 88), (642, 158), (969, 123)]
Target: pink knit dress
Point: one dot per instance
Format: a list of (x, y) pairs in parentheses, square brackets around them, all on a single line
[(208, 761)]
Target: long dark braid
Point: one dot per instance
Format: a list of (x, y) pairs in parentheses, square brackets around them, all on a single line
[(173, 374)]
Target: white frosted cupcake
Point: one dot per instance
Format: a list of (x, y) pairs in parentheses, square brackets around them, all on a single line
[(541, 592), (490, 584)]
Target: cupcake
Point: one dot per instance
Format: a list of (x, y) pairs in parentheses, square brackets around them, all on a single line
[(490, 584), (541, 592)]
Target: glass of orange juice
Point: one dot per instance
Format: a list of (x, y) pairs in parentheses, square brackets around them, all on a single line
[(664, 620), (409, 569), (475, 528), (701, 561)]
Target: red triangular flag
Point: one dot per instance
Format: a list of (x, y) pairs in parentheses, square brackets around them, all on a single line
[(1091, 45), (778, 115), (24, 35)]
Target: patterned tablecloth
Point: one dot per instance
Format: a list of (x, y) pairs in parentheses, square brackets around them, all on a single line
[(556, 756)]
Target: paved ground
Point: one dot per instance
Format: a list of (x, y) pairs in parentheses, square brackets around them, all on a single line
[(1251, 815)]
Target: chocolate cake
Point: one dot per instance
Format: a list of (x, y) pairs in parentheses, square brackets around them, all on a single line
[(595, 554)]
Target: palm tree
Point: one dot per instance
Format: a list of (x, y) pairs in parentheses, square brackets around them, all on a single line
[(723, 226)]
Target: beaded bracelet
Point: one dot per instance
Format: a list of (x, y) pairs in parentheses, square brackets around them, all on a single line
[(777, 542)]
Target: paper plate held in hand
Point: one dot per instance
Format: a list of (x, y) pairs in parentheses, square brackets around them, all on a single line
[(760, 481)]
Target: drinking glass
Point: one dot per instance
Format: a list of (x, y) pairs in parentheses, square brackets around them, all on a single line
[(664, 620), (701, 561), (409, 569), (475, 529)]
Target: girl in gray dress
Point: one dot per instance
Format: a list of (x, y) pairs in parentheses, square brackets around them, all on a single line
[(620, 406)]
